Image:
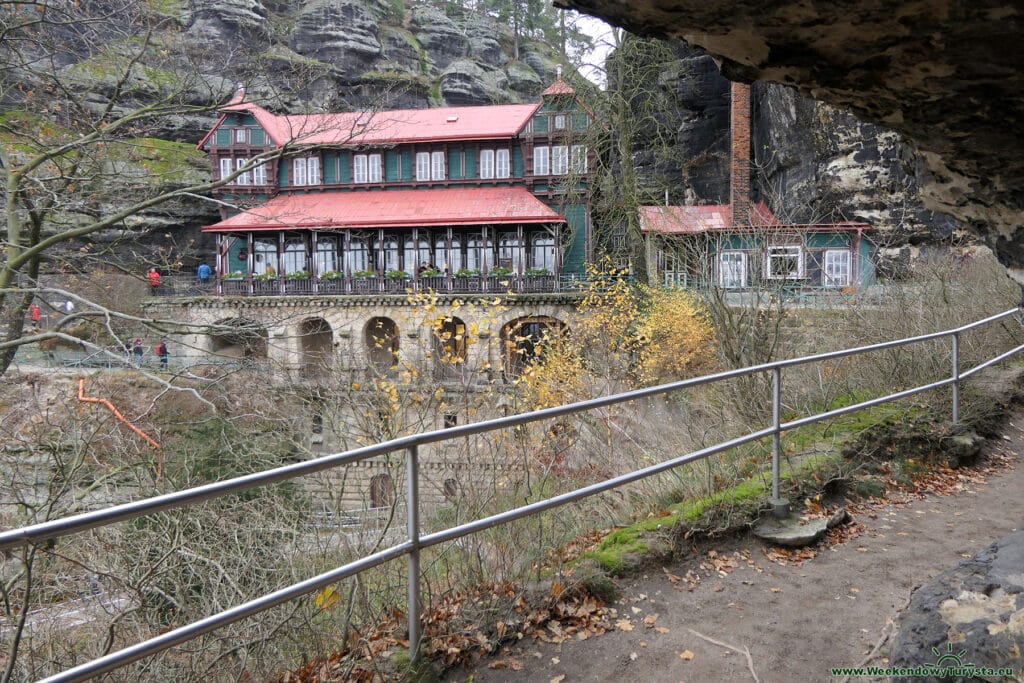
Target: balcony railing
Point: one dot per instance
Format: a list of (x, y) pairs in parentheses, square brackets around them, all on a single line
[(178, 286)]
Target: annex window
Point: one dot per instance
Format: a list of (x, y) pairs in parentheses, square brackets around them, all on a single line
[(422, 165), (226, 167), (486, 163), (836, 268), (243, 178), (540, 161), (502, 167), (732, 269), (579, 159), (437, 165), (559, 160), (785, 262), (242, 135)]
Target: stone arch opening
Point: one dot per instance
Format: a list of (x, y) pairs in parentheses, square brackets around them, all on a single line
[(382, 342), (523, 340), (238, 338), (382, 491), (450, 347), (316, 343)]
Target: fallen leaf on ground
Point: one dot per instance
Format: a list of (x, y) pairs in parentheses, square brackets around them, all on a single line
[(686, 655), (624, 625)]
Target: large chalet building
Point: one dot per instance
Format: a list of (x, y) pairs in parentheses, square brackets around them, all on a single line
[(377, 201)]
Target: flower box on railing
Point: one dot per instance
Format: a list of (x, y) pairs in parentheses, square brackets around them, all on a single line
[(365, 285)]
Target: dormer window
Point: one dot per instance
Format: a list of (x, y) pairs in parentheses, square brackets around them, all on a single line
[(366, 168), (430, 166), (242, 136), (559, 123), (494, 163), (306, 171)]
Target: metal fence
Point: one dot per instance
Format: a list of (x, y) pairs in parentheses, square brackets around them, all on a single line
[(415, 541)]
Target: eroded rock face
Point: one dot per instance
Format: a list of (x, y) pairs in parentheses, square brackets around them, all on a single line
[(946, 74), (973, 612), (342, 32)]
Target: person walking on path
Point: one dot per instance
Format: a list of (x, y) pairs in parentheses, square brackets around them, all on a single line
[(203, 273), (137, 351), (162, 353), (34, 311), (154, 280)]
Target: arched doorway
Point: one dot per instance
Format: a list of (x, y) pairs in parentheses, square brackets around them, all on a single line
[(450, 347), (382, 343), (382, 491), (239, 338), (522, 340), (316, 341)]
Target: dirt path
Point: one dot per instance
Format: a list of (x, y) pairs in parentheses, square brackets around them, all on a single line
[(798, 621)]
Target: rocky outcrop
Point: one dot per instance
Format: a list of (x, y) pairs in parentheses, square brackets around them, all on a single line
[(947, 76), (969, 616), (339, 32), (439, 36)]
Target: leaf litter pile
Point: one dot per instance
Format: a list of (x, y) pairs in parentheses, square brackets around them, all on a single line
[(454, 634)]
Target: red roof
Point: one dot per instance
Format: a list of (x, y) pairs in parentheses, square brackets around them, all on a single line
[(394, 208), (682, 220), (388, 127), (559, 87)]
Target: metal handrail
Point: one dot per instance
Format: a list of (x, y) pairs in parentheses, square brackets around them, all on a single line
[(70, 525)]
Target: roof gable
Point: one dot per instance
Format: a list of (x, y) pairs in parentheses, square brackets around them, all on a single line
[(691, 219)]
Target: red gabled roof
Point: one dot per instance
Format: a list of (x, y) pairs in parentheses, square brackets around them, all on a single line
[(394, 208), (684, 220), (559, 87), (493, 122)]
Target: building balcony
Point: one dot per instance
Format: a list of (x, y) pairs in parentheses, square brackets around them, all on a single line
[(182, 286)]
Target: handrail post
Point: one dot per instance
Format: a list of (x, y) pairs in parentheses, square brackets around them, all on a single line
[(412, 514), (780, 506), (956, 378)]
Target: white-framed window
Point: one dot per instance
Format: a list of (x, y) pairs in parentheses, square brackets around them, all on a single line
[(437, 165), (784, 262), (449, 260), (326, 254), (559, 160), (422, 165), (732, 269), (579, 159), (559, 122), (226, 167), (366, 168), (264, 257), (259, 174), (242, 135), (244, 178), (295, 258), (511, 254), (835, 271), (313, 171), (359, 169), (542, 251), (502, 167), (486, 163), (376, 168), (541, 161), (306, 171)]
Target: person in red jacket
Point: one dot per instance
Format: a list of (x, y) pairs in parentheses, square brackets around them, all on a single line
[(154, 280)]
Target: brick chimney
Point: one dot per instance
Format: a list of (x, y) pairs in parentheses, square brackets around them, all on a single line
[(739, 161)]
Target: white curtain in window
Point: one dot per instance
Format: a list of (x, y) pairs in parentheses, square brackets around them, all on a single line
[(376, 174), (326, 254), (313, 171), (502, 167), (579, 159), (510, 253), (259, 174), (437, 166), (479, 255), (244, 178), (836, 269), (358, 255), (226, 167), (486, 163), (540, 161), (298, 171), (559, 160), (359, 164), (448, 258), (542, 251), (423, 166), (732, 269), (295, 256)]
